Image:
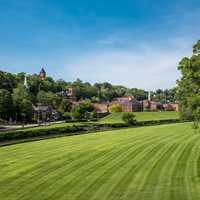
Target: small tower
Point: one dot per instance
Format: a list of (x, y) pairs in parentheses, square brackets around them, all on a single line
[(149, 96), (42, 74), (25, 81)]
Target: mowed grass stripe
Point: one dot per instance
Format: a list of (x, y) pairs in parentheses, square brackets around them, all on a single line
[(20, 181), (48, 155), (162, 186), (190, 172), (178, 183), (73, 179), (149, 184), (111, 165), (121, 168), (144, 166)]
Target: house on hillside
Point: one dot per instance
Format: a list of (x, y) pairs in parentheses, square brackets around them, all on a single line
[(153, 106), (128, 104), (68, 94), (101, 107), (171, 107), (156, 106), (45, 113)]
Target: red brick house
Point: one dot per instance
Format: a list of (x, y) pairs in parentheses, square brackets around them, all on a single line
[(128, 104), (101, 107), (152, 106), (171, 107)]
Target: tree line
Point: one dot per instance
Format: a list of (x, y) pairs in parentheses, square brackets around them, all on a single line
[(16, 99)]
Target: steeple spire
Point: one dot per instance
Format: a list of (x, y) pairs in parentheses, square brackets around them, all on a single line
[(149, 96), (42, 74), (25, 81)]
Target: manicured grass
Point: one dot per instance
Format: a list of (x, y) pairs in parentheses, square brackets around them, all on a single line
[(147, 163), (140, 116)]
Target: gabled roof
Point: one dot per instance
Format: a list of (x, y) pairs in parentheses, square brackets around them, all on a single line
[(41, 108)]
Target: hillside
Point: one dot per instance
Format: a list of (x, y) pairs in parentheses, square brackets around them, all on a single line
[(148, 163), (141, 116)]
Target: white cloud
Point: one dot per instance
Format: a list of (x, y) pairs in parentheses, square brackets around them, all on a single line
[(147, 67)]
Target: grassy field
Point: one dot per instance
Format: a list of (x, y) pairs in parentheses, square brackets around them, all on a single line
[(140, 116), (148, 163)]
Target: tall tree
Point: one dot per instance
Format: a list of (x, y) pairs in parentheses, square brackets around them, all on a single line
[(22, 103), (6, 104), (189, 85)]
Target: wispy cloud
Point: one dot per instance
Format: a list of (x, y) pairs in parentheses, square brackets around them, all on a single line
[(144, 66)]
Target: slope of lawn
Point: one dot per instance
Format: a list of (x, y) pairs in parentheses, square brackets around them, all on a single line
[(148, 163), (140, 116)]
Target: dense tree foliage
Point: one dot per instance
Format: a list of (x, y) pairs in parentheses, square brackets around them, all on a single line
[(16, 100), (189, 85), (83, 110), (22, 103)]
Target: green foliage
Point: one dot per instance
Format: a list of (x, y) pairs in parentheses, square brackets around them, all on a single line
[(22, 103), (47, 92), (49, 98), (67, 116), (6, 104), (164, 96), (82, 111), (65, 106), (129, 118), (189, 85), (115, 108)]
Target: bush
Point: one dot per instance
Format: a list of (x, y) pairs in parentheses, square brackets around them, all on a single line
[(115, 108), (67, 116), (129, 118), (3, 121)]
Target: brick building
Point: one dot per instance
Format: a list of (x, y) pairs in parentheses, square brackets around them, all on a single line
[(128, 104)]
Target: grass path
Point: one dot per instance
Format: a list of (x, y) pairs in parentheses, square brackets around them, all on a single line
[(148, 163)]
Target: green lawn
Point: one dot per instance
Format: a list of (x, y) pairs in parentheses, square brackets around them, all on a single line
[(140, 116), (147, 163)]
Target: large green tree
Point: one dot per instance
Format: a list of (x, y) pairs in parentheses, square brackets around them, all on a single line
[(189, 85), (22, 103), (6, 104)]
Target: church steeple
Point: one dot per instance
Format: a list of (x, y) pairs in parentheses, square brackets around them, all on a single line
[(149, 96), (25, 81), (42, 74)]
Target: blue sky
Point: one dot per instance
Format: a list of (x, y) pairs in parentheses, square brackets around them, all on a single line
[(136, 43)]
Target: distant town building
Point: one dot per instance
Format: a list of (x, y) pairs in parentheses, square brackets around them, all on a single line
[(101, 107), (128, 104), (171, 107), (44, 113)]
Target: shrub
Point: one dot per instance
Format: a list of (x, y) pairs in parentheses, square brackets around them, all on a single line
[(129, 118), (115, 108), (67, 116)]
